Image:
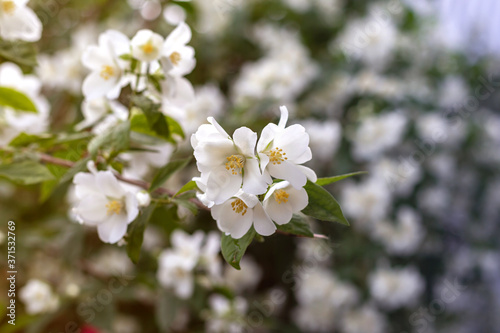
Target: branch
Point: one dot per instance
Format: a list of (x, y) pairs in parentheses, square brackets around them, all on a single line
[(44, 158)]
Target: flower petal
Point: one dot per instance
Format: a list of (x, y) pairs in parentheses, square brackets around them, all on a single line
[(222, 185), (109, 184), (132, 206), (113, 229), (262, 222), (245, 139), (279, 213), (92, 209), (288, 171), (254, 182)]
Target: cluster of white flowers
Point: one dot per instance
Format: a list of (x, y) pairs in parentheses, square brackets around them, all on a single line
[(19, 22), (13, 122), (38, 297), (236, 173), (189, 253), (226, 315), (284, 73)]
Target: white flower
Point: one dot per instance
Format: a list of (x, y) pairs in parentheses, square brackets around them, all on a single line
[(227, 164), (105, 203), (107, 69), (143, 198), (378, 133), (364, 319), (395, 288), (38, 297), (247, 278), (174, 14), (178, 58), (404, 237), (209, 256), (176, 272), (146, 45), (283, 200), (281, 150), (237, 215), (99, 112), (17, 21), (226, 315)]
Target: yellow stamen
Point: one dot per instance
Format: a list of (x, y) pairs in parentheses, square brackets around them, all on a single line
[(175, 58), (114, 207), (239, 207), (148, 48), (235, 163), (8, 6), (281, 196), (276, 156), (107, 72)]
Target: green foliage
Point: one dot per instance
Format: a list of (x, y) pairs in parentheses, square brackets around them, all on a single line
[(16, 100), (24, 140), (322, 205), (234, 249), (167, 306), (330, 180), (26, 172), (297, 226), (136, 233), (155, 119), (115, 140), (189, 186), (166, 172)]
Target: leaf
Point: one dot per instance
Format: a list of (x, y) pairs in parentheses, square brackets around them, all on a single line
[(26, 172), (136, 233), (330, 180), (189, 186), (16, 100), (175, 127), (234, 249), (297, 226), (156, 120), (24, 139), (116, 139), (322, 205), (187, 204), (168, 170)]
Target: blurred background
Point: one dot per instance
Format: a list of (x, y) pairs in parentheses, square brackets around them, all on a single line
[(405, 90)]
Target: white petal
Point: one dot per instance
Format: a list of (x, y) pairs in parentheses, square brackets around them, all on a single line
[(254, 182), (279, 213), (218, 127), (113, 229), (267, 136), (293, 140), (184, 287), (288, 171), (85, 184), (94, 58), (242, 226), (132, 206), (21, 24), (284, 117), (109, 184), (249, 199), (177, 38), (229, 221), (310, 174), (95, 86), (92, 209), (262, 222), (222, 185), (245, 139), (297, 199)]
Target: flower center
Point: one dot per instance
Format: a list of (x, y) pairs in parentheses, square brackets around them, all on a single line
[(148, 48), (175, 58), (8, 6), (281, 196), (276, 156), (235, 163), (239, 207), (107, 72), (114, 207)]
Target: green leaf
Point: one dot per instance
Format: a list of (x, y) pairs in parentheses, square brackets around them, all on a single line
[(156, 120), (136, 233), (322, 205), (24, 139), (187, 204), (189, 186), (116, 139), (16, 100), (26, 172), (330, 180), (234, 249), (297, 226), (168, 170), (175, 127)]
